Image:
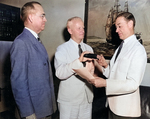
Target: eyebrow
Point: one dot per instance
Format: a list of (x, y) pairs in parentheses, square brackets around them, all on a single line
[(118, 24)]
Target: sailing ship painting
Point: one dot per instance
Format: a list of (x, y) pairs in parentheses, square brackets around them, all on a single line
[(110, 23), (101, 32)]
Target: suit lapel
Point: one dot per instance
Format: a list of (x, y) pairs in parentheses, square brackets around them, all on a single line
[(125, 50), (41, 49), (36, 44), (112, 63)]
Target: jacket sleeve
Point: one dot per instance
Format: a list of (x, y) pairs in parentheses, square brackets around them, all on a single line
[(106, 71), (128, 74), (63, 68), (19, 77)]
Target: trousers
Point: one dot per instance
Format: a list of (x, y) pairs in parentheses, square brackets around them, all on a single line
[(33, 116)]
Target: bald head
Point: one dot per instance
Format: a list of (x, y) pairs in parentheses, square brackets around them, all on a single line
[(75, 27), (71, 20)]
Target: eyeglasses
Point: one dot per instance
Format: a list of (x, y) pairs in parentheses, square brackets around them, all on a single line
[(42, 16)]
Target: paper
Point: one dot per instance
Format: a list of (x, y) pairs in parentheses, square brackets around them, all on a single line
[(84, 73)]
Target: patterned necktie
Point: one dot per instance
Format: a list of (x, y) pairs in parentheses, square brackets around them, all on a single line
[(120, 47)]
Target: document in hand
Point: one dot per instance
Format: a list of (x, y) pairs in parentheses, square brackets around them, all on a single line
[(84, 73)]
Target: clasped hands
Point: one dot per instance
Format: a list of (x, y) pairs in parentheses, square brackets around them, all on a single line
[(97, 81)]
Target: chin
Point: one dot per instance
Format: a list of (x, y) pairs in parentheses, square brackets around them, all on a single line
[(82, 37), (120, 37)]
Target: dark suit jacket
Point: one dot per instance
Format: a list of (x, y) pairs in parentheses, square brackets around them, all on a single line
[(31, 78)]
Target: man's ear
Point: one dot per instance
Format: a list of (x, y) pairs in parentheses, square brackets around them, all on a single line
[(30, 18), (130, 24), (69, 30)]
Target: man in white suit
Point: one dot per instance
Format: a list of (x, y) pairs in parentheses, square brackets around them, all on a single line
[(75, 94), (125, 73)]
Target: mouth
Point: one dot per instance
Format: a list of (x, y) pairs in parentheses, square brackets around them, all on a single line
[(119, 34), (82, 34)]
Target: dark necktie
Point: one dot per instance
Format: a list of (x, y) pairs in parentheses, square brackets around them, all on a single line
[(120, 47), (39, 40), (80, 50)]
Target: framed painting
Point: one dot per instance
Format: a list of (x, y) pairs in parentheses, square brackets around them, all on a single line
[(101, 32)]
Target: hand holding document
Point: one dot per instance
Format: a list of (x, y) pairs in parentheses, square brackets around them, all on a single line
[(86, 72)]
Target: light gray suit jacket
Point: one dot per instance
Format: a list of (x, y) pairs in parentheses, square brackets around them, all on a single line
[(124, 78), (72, 89)]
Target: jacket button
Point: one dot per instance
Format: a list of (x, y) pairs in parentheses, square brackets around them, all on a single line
[(44, 63)]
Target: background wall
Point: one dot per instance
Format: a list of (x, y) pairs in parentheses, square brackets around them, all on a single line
[(57, 14)]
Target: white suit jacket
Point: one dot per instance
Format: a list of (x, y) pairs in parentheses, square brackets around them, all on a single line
[(124, 77), (72, 88)]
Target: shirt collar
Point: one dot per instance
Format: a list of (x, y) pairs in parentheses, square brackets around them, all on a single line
[(129, 38), (75, 43), (35, 34)]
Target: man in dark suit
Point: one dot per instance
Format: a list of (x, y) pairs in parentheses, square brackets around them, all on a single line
[(31, 78)]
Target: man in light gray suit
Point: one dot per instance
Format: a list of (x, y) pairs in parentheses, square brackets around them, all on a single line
[(75, 94), (31, 78), (124, 72)]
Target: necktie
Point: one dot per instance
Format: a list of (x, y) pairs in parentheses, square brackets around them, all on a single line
[(80, 50), (120, 47), (39, 40)]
